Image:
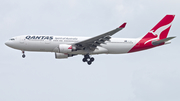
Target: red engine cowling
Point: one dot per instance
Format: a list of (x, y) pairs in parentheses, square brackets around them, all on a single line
[(64, 48), (61, 55)]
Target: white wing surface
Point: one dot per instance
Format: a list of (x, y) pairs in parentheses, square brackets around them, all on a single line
[(93, 42)]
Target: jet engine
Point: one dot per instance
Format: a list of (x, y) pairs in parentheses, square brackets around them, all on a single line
[(61, 55), (64, 48)]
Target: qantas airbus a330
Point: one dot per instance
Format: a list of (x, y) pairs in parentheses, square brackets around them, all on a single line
[(66, 46)]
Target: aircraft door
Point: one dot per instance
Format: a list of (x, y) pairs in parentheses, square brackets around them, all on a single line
[(47, 41), (22, 40)]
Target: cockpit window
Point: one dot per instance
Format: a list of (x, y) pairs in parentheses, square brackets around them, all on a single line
[(12, 39)]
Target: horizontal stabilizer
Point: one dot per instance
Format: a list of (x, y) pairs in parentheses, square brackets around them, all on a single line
[(155, 43)]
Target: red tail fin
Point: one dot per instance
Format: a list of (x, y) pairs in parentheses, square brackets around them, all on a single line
[(158, 32), (161, 30)]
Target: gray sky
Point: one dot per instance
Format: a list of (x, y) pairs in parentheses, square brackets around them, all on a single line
[(150, 75)]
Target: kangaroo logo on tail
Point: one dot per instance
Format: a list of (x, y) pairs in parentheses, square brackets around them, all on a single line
[(158, 33), (161, 30)]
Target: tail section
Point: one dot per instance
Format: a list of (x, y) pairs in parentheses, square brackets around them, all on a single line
[(157, 33), (155, 43), (161, 30)]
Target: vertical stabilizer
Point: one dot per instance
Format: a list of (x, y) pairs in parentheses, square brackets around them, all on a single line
[(158, 32), (161, 29)]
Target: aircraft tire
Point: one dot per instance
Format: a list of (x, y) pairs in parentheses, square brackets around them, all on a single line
[(86, 56), (84, 59), (23, 56), (92, 59), (89, 62)]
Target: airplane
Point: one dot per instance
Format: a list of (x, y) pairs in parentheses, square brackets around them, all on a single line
[(69, 46)]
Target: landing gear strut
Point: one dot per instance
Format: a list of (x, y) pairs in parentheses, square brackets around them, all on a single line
[(23, 54), (88, 59)]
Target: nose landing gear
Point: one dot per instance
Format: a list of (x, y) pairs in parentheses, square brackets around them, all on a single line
[(23, 54), (88, 59)]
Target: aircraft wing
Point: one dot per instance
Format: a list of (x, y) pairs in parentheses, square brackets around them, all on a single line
[(93, 42)]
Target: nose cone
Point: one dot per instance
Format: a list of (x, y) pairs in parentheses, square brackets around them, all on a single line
[(8, 43)]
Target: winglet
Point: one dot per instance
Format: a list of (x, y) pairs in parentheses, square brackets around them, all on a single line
[(123, 25)]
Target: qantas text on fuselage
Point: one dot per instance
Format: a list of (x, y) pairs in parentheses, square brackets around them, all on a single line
[(66, 46)]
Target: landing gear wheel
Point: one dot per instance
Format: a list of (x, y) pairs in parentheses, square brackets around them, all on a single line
[(89, 62), (92, 59), (84, 59), (88, 59), (23, 55), (86, 56)]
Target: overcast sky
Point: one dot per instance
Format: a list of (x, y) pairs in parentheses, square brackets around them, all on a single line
[(150, 75)]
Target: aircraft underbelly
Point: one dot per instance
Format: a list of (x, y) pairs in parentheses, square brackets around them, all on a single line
[(39, 46), (118, 48)]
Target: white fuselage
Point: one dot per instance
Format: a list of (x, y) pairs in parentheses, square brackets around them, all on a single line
[(45, 44), (67, 46)]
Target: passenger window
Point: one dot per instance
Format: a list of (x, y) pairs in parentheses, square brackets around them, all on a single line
[(12, 39)]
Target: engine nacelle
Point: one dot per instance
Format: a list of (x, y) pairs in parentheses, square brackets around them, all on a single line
[(61, 55), (64, 48)]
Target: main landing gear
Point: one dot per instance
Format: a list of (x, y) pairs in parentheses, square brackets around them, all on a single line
[(88, 59), (23, 54)]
